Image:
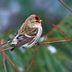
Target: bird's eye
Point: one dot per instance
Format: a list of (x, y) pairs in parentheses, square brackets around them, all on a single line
[(37, 18)]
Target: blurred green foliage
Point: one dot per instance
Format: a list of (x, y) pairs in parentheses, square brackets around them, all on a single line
[(45, 60)]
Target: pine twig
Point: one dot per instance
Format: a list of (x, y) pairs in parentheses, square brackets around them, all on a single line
[(8, 59), (56, 41), (30, 65), (4, 63), (65, 5), (32, 61), (6, 49), (59, 29), (36, 50)]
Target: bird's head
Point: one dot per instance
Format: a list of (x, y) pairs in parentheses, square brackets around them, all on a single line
[(33, 21)]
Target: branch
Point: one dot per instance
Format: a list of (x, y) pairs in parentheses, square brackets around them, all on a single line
[(36, 50), (30, 65), (32, 60), (8, 59), (65, 5), (6, 49), (4, 63), (56, 41), (53, 40)]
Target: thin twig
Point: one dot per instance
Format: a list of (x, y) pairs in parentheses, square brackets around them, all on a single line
[(4, 45), (65, 5), (36, 50), (6, 49), (30, 65), (59, 29), (8, 59), (32, 60), (51, 32), (46, 42), (4, 63)]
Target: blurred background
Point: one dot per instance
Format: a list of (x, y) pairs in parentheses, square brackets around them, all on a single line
[(14, 12), (55, 57)]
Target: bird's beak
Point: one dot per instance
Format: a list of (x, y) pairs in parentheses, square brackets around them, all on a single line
[(40, 20)]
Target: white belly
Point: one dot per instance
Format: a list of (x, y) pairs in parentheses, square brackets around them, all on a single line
[(37, 37)]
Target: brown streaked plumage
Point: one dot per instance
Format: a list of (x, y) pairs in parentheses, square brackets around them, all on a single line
[(29, 33)]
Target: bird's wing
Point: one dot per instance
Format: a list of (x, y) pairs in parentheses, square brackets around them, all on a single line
[(26, 37)]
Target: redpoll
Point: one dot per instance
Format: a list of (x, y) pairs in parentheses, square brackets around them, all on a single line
[(29, 33)]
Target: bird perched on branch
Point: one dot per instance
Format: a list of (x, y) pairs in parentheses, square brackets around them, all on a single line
[(29, 33)]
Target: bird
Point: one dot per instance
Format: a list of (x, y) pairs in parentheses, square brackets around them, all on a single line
[(29, 33)]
